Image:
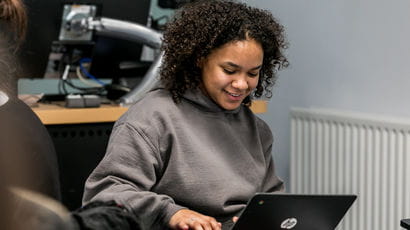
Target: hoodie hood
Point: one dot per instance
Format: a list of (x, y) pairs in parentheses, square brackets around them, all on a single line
[(203, 102)]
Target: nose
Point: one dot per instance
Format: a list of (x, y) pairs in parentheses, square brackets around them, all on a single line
[(240, 83)]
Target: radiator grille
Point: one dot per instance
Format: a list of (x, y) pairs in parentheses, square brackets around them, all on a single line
[(348, 153)]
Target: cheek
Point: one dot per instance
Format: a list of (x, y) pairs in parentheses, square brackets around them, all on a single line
[(216, 78), (253, 82)]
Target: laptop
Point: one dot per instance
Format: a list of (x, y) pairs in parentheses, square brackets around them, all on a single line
[(294, 211)]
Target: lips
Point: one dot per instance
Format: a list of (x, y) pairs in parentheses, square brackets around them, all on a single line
[(235, 95)]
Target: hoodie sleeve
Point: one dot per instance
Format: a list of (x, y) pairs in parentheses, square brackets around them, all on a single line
[(271, 182), (127, 174)]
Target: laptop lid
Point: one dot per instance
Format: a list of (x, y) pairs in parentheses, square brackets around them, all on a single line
[(294, 211)]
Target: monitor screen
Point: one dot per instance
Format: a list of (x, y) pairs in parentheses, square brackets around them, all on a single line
[(42, 29), (108, 55)]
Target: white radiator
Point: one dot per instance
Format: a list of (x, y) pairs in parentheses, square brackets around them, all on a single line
[(346, 153)]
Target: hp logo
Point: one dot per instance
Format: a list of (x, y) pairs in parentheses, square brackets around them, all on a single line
[(289, 223)]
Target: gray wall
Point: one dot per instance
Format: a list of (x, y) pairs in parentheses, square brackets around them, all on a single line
[(349, 55)]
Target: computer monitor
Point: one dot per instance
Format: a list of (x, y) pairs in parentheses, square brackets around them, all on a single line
[(108, 54), (42, 29), (172, 4)]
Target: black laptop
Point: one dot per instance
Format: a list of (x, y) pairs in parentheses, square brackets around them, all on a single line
[(294, 211)]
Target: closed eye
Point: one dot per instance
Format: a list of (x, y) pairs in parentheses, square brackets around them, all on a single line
[(230, 72), (253, 74)]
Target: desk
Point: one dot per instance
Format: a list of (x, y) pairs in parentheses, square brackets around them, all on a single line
[(80, 137), (52, 114)]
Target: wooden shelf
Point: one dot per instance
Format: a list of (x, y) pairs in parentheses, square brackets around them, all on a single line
[(53, 114)]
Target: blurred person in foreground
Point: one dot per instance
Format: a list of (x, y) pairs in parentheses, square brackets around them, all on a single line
[(27, 156)]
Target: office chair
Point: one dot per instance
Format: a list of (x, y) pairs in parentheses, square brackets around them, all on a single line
[(27, 154)]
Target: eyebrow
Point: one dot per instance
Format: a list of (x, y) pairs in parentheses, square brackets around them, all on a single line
[(237, 66)]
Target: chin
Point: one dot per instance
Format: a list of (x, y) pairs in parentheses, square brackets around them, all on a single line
[(231, 107)]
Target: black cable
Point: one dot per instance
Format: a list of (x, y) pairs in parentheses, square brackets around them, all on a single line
[(64, 88)]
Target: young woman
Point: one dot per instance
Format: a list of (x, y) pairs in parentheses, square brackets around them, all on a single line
[(191, 153)]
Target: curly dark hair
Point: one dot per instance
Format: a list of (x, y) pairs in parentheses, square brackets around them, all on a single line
[(199, 28)]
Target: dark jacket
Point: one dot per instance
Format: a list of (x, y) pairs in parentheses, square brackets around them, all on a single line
[(27, 154)]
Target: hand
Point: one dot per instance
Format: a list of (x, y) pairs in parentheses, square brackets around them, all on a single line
[(186, 219)]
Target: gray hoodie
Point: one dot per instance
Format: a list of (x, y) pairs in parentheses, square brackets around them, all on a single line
[(164, 156)]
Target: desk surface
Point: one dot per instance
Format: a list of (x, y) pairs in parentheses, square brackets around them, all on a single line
[(52, 114)]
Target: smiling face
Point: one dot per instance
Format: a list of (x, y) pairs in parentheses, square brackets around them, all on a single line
[(231, 72)]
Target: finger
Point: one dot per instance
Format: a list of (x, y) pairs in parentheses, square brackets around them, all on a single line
[(214, 224), (183, 226), (194, 224), (197, 226), (235, 219), (207, 225)]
